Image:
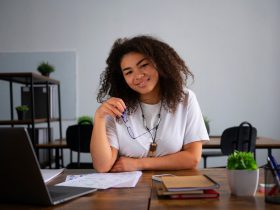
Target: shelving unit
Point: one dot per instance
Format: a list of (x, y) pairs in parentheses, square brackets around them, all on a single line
[(31, 79)]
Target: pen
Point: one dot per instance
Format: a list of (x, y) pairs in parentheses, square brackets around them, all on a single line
[(274, 168), (275, 165), (158, 177)]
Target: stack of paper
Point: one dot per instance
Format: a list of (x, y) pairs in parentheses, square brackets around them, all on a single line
[(103, 180), (49, 174)]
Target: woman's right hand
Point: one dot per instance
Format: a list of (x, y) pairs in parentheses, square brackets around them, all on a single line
[(113, 107)]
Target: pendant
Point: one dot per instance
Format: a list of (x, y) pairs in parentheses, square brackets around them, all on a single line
[(152, 150)]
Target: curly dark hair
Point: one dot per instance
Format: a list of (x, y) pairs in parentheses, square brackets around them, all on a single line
[(173, 72)]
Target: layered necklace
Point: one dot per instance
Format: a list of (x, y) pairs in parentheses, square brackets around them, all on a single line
[(153, 145)]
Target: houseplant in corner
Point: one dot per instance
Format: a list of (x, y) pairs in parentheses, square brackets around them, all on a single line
[(21, 111), (45, 68), (243, 173), (84, 120), (207, 124)]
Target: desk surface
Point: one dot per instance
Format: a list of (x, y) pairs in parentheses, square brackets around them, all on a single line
[(143, 196)]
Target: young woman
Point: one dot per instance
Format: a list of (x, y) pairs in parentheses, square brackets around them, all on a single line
[(147, 119)]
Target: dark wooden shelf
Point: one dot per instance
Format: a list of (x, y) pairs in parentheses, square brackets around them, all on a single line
[(26, 122), (33, 79), (58, 143), (27, 78)]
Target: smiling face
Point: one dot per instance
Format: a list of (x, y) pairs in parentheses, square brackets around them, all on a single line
[(141, 75)]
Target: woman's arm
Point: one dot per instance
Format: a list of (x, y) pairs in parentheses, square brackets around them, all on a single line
[(103, 155), (188, 158)]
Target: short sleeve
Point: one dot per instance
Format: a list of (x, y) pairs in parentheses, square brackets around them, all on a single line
[(195, 126), (111, 132)]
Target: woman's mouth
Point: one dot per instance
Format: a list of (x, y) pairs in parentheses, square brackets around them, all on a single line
[(142, 83)]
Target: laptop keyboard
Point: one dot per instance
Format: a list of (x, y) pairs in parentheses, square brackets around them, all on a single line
[(55, 194), (62, 193)]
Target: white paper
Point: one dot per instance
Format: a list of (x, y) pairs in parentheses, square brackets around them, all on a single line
[(49, 174), (103, 180), (72, 177)]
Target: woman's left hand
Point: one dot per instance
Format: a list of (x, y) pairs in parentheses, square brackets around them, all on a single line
[(125, 164)]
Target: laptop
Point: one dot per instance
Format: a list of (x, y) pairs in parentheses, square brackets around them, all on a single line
[(20, 178)]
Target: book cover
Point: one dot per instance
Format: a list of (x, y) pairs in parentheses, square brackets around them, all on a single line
[(206, 194), (187, 183)]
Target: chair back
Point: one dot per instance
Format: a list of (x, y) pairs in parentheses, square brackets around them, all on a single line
[(241, 138), (78, 137)]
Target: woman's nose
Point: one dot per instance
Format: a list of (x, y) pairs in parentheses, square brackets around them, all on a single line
[(139, 76)]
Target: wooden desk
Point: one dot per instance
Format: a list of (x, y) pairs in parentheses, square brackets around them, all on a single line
[(261, 143), (143, 196), (226, 200)]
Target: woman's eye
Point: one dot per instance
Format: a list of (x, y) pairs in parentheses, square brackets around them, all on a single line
[(144, 65), (128, 72)]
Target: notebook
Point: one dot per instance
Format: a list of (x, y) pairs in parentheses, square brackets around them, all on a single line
[(21, 180), (189, 183)]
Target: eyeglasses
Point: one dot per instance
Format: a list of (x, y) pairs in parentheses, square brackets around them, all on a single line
[(129, 129)]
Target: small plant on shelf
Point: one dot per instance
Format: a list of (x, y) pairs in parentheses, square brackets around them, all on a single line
[(22, 108), (45, 68), (21, 111)]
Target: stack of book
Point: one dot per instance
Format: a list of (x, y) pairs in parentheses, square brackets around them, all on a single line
[(187, 187)]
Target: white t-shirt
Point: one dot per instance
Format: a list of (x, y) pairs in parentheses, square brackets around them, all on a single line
[(184, 126)]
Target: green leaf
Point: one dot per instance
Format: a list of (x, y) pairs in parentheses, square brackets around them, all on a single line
[(242, 161)]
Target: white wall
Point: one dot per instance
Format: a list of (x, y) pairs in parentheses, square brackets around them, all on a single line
[(232, 47)]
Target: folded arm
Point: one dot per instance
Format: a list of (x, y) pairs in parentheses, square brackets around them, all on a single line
[(187, 158)]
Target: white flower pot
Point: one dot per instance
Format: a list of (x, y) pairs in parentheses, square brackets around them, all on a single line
[(243, 182)]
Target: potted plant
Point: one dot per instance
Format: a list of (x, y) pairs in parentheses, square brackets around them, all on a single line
[(243, 173), (83, 120), (21, 111), (206, 122), (45, 68)]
